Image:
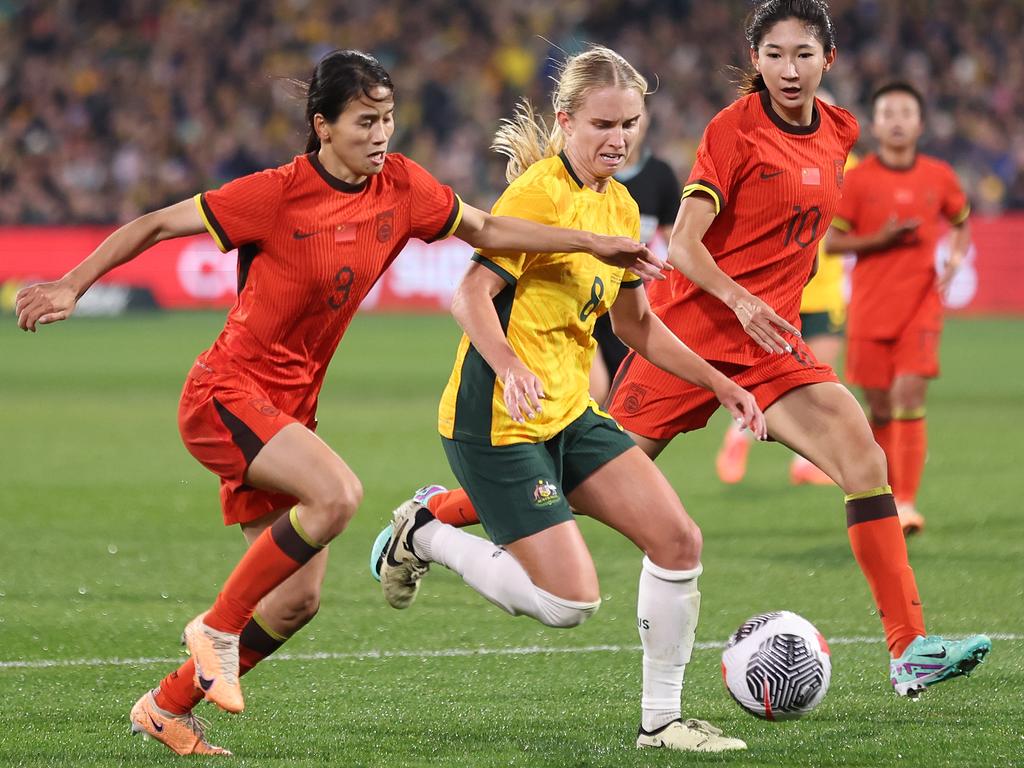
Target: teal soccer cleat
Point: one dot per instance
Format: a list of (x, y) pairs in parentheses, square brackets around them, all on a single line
[(930, 660), (380, 546)]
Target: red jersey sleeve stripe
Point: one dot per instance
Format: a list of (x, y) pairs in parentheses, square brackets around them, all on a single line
[(212, 225), (842, 224), (961, 217), (451, 223), (702, 185)]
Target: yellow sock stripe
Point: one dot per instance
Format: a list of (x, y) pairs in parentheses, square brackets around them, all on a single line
[(266, 628), (880, 491), (293, 516), (908, 414)]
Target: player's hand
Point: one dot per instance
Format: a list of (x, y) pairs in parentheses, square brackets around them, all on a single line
[(523, 392), (763, 325), (743, 407), (44, 303), (896, 232), (628, 254), (949, 271)]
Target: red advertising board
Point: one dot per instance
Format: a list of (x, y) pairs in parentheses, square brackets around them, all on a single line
[(191, 273)]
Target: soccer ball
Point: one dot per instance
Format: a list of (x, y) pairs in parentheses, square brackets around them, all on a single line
[(777, 666)]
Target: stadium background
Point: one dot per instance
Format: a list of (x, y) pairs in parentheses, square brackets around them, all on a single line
[(109, 532), (111, 109)]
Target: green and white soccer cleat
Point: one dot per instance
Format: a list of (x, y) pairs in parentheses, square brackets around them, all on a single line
[(930, 660), (402, 569), (383, 540), (689, 736)]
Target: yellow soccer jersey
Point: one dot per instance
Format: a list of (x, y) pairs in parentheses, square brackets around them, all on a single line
[(825, 291), (547, 310)]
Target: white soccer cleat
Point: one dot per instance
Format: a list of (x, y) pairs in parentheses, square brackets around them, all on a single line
[(689, 736), (401, 569)]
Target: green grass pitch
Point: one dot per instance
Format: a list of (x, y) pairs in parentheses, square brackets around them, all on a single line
[(110, 540)]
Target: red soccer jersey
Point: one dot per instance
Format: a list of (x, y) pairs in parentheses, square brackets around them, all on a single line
[(310, 247), (775, 188), (893, 286)]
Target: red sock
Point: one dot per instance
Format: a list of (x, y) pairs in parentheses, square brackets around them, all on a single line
[(883, 436), (881, 551), (909, 448), (276, 554), (177, 692), (453, 507)]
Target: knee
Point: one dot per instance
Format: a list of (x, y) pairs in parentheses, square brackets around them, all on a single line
[(864, 468), (554, 611), (677, 546), (339, 502)]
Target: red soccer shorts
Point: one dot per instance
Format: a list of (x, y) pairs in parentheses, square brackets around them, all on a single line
[(224, 422), (875, 363), (648, 401)]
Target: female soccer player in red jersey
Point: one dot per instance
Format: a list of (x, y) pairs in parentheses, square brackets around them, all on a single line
[(765, 186), (313, 236), (892, 213)]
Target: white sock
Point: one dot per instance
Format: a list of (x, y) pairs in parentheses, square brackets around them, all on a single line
[(497, 575), (667, 607)]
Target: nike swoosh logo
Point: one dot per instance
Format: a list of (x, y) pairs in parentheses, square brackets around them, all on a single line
[(156, 726), (298, 235), (934, 655), (395, 538), (205, 683), (766, 175)]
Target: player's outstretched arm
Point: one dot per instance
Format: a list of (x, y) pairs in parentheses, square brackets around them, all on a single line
[(642, 330), (893, 232), (45, 303), (688, 254), (473, 310), (508, 233)]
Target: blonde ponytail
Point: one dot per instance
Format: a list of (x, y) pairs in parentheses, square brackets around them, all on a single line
[(525, 138)]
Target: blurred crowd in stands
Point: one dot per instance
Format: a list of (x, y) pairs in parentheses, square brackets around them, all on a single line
[(110, 108)]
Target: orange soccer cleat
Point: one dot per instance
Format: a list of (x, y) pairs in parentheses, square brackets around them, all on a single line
[(731, 462), (804, 472), (215, 655), (911, 520), (184, 734)]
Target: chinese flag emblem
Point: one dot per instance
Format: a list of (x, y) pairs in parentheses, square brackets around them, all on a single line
[(811, 176)]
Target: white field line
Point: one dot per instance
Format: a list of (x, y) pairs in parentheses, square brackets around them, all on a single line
[(443, 653)]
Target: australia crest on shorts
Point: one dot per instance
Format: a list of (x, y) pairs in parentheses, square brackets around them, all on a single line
[(545, 493)]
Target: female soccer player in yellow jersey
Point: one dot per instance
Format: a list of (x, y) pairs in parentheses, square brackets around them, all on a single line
[(518, 425)]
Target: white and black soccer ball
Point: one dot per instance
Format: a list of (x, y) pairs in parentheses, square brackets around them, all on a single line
[(777, 666)]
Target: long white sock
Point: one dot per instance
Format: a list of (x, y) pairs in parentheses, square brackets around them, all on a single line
[(667, 607), (497, 575)]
